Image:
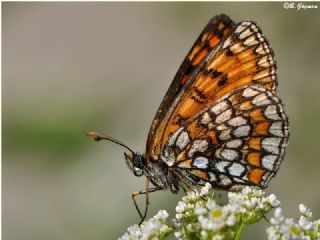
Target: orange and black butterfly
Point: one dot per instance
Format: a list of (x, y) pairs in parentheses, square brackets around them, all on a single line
[(220, 121)]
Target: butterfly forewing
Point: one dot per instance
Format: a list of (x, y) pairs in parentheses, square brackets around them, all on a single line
[(214, 32)]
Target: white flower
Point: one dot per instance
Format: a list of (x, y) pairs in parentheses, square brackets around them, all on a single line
[(133, 233), (274, 202), (231, 220), (191, 196), (150, 229), (161, 215), (204, 234), (198, 214), (246, 190), (181, 207), (305, 211), (179, 216), (199, 210), (211, 204), (205, 190), (305, 224), (278, 217), (190, 206), (287, 228)]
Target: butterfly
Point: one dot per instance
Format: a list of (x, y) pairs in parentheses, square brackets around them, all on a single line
[(220, 121)]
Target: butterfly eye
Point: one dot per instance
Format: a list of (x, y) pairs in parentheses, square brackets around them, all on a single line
[(138, 161)]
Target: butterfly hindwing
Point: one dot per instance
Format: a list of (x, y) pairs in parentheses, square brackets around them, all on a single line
[(239, 140)]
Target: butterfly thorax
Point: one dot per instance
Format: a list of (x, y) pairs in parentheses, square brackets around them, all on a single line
[(161, 175), (158, 172)]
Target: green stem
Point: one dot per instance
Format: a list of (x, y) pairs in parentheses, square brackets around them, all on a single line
[(240, 230)]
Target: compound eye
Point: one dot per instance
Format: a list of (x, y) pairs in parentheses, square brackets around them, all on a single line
[(138, 161)]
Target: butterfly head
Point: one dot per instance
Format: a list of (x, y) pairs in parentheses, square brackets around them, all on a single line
[(136, 163)]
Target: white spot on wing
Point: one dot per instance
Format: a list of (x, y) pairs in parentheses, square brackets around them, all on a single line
[(224, 180), (242, 26), (237, 48), (265, 61), (222, 127), (245, 33), (249, 92), (235, 143), (271, 145), (237, 121), (259, 88), (174, 136), (236, 169), (250, 41), (225, 116), (276, 129), (201, 162), (242, 131), (205, 119), (263, 49), (182, 140), (254, 28), (212, 177), (220, 166), (229, 154), (225, 134), (268, 161), (261, 100), (220, 107), (239, 180), (198, 146), (226, 43), (271, 112), (260, 37)]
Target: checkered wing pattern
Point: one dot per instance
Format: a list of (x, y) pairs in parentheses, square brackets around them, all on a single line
[(224, 125), (240, 140), (243, 58)]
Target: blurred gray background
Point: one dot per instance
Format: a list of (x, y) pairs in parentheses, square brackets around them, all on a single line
[(72, 67)]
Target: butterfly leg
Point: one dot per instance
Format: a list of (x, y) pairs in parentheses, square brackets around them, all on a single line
[(146, 192), (185, 185)]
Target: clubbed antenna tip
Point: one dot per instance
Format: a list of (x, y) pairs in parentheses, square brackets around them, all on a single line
[(97, 137)]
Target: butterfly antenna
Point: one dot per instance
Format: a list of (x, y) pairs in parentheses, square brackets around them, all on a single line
[(97, 137)]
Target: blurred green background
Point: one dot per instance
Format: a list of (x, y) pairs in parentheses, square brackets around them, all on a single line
[(72, 67)]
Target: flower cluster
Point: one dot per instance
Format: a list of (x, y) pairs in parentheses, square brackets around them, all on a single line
[(287, 228), (154, 228), (199, 216)]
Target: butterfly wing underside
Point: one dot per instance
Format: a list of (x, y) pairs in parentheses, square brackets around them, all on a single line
[(243, 58), (221, 121), (240, 140), (216, 29)]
